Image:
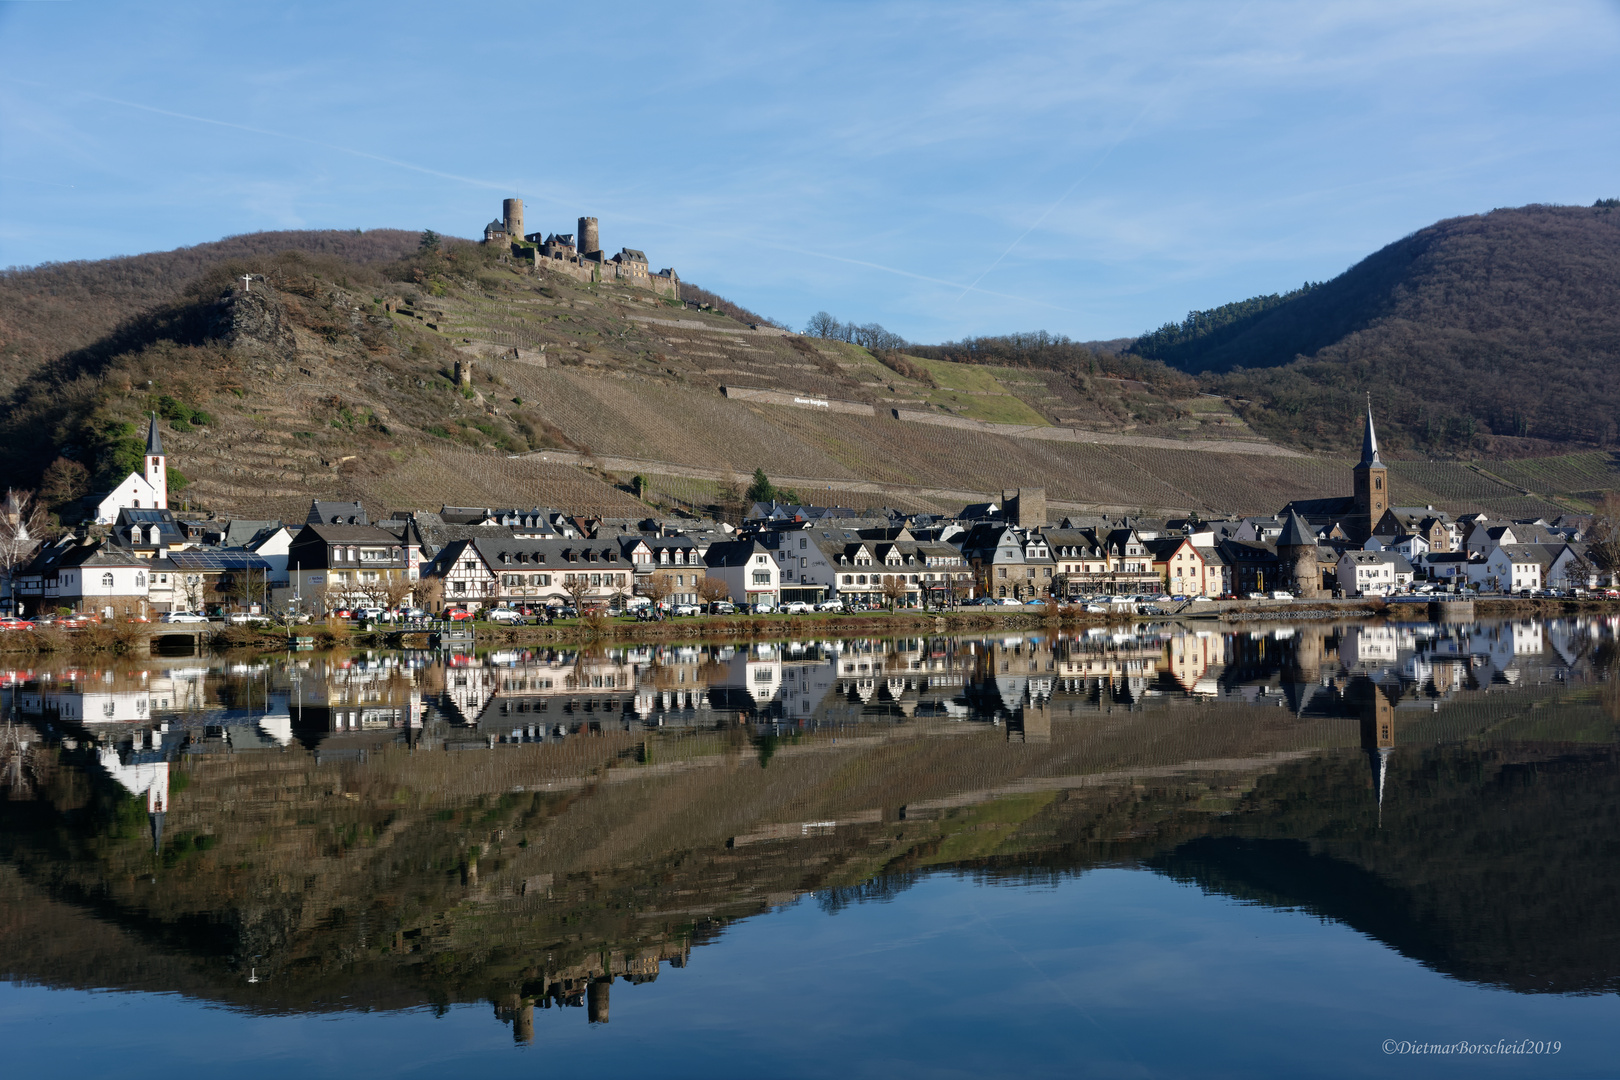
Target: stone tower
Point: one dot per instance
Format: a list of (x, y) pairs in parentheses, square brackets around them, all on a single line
[(157, 472), (1296, 559), (1025, 507), (512, 215), (589, 241), (1372, 482)]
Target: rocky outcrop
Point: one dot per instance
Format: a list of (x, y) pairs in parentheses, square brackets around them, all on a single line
[(253, 322)]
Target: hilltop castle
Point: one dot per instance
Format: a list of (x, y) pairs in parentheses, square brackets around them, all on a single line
[(583, 260)]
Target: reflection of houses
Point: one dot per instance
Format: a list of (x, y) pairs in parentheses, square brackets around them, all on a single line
[(1188, 658), (331, 697)]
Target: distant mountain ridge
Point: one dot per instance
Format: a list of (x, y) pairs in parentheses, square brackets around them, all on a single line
[(1469, 334)]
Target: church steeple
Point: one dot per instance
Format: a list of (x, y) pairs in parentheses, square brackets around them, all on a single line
[(157, 472), (1372, 481), (1369, 441)]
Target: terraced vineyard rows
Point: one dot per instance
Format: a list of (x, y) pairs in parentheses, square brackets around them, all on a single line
[(1523, 506), (1453, 482), (1596, 471), (1241, 483)]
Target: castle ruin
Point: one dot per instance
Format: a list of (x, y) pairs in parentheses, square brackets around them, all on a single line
[(581, 259)]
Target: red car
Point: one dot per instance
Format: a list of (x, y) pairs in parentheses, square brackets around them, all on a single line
[(15, 624), (457, 614), (343, 613)]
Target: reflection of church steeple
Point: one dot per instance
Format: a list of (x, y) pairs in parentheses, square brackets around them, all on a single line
[(1378, 738)]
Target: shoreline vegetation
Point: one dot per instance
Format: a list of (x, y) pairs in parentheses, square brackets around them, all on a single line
[(586, 631)]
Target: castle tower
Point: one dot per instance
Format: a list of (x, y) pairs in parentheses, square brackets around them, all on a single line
[(1025, 507), (512, 215), (157, 473), (1372, 482), (589, 241), (1296, 558)]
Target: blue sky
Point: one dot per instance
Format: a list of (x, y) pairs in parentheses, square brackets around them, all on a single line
[(1092, 169)]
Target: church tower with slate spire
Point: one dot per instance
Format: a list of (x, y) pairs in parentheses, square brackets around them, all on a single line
[(1372, 482), (157, 472)]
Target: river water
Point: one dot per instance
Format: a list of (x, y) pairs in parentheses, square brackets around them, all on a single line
[(1321, 850)]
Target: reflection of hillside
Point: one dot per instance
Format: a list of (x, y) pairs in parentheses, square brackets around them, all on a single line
[(523, 855), (1450, 878)]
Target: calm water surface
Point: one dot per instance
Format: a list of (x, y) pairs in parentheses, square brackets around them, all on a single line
[(1178, 851)]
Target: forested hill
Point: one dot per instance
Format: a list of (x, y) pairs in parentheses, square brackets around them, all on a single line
[(50, 310), (1492, 333)]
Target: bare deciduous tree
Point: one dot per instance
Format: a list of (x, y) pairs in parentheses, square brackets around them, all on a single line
[(712, 589), (657, 587), (894, 589), (22, 530), (578, 588), (428, 593), (1604, 534)]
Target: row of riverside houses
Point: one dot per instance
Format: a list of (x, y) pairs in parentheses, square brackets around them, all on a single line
[(139, 559)]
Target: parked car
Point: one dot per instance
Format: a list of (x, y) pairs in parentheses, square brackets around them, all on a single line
[(1008, 601), (15, 624), (183, 617), (684, 609), (374, 614), (1096, 609), (830, 605), (343, 613), (457, 615), (760, 609), (244, 618), (1281, 594), (797, 607), (722, 607), (503, 615)]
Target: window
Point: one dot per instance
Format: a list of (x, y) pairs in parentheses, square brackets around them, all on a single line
[(803, 543), (762, 577), (140, 581), (106, 581)]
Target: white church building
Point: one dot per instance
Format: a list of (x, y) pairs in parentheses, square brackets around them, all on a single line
[(146, 490)]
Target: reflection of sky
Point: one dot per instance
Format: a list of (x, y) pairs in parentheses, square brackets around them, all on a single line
[(1116, 973)]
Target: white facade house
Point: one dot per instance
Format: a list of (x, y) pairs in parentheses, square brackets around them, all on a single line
[(1507, 567), (1373, 573), (1569, 569), (746, 569), (112, 586)]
